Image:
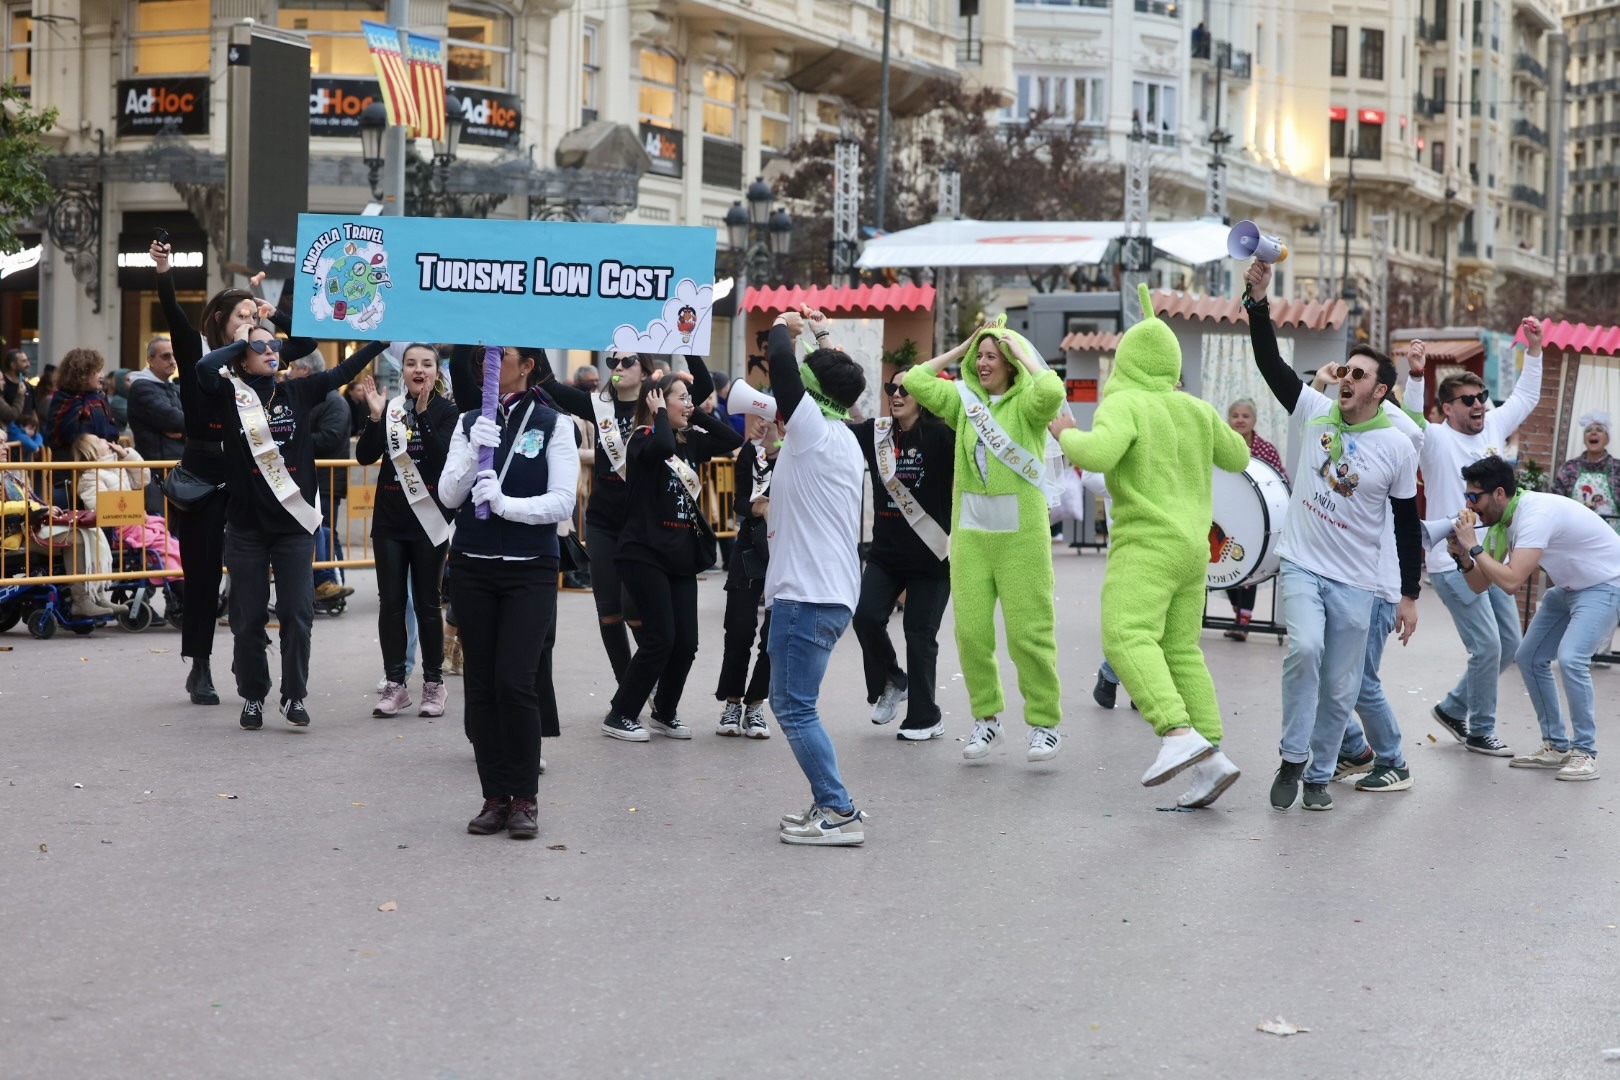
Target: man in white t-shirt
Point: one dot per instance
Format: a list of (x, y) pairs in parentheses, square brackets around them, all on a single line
[(1355, 478), (1487, 622), (1531, 530), (813, 580)]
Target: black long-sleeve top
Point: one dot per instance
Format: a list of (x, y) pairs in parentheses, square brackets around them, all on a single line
[(660, 527), (925, 462), (204, 421), (1285, 386), (287, 407), (428, 435), (609, 501)]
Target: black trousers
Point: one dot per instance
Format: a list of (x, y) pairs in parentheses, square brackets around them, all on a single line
[(250, 556), (1243, 597), (545, 689), (742, 615), (613, 608), (503, 610), (201, 534), (668, 642), (926, 598), (421, 563)]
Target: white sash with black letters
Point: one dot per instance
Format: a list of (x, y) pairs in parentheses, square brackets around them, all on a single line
[(411, 482), (921, 522), (996, 440), (608, 434), (267, 455)]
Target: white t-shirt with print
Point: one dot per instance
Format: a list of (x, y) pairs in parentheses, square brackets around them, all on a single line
[(1446, 450), (1578, 548), (1339, 510), (817, 489)]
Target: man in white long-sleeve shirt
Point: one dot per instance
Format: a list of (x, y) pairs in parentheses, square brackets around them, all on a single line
[(1487, 622)]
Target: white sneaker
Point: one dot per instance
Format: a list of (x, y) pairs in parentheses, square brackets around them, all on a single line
[(1176, 752), (933, 731), (1044, 743), (828, 829), (1548, 757), (1210, 779), (986, 733), (793, 821), (730, 719), (382, 685), (1582, 766), (888, 703)]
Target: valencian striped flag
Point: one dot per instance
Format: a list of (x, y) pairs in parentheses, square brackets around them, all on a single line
[(426, 56), (383, 41)]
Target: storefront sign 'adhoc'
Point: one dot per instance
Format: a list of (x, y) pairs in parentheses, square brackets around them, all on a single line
[(178, 105), (561, 285)]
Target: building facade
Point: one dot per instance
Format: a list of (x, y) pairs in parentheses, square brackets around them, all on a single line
[(1593, 30), (712, 90)]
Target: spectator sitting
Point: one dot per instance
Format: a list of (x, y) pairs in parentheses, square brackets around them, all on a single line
[(78, 406), (21, 509), (331, 423), (25, 431)]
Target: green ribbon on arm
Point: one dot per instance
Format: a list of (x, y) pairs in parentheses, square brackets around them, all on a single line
[(812, 386), (1496, 537), (1335, 419)]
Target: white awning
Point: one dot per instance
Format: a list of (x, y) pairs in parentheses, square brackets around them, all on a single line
[(1035, 243)]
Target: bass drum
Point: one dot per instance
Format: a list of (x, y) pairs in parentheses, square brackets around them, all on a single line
[(1244, 538)]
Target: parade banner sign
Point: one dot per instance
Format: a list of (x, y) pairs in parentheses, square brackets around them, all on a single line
[(560, 285)]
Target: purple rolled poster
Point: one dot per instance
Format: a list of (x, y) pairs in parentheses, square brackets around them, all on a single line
[(491, 402)]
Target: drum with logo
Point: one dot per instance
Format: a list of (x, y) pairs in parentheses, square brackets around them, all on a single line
[(1246, 534)]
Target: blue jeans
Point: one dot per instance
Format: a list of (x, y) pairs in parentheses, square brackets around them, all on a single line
[(1570, 625), (1488, 624), (1327, 646), (801, 643), (1382, 729), (325, 542), (410, 628)]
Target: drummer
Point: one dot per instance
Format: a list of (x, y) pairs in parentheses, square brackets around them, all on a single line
[(1240, 415)]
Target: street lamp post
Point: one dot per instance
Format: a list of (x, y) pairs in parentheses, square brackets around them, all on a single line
[(426, 182), (1445, 260), (761, 234)]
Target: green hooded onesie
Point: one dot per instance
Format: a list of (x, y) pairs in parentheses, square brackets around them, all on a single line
[(1001, 548), (1157, 448)]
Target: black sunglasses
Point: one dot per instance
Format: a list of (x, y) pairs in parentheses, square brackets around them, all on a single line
[(1352, 373), (627, 362), (1469, 399), (1472, 497), (894, 389), (262, 347)]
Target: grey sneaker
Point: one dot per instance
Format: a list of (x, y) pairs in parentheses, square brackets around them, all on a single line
[(828, 828), (1317, 797), (888, 703), (1581, 766), (1385, 778), (754, 725), (1285, 785), (1548, 757), (793, 821), (731, 719)]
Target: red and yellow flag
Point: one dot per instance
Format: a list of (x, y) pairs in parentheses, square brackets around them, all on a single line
[(426, 56), (383, 41)]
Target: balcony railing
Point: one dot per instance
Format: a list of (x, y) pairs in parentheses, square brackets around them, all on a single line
[(1594, 173), (1531, 66), (1468, 249), (1585, 131), (1524, 129), (1523, 193), (1428, 106), (1430, 31), (1594, 217), (1170, 9)]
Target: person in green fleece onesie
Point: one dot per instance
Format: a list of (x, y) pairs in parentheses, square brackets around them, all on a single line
[(1158, 449), (1001, 540)]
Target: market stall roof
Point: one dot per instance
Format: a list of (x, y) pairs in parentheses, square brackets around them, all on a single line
[(1035, 243), (837, 298), (1092, 341), (1294, 314), (1578, 338), (1462, 351)]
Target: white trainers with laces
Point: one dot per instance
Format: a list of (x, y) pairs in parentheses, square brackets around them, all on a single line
[(986, 733), (793, 821), (1044, 743), (1210, 779), (731, 719), (1581, 766), (1176, 752), (1548, 757), (828, 828), (888, 703)]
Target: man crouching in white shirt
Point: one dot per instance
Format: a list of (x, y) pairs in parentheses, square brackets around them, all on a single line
[(813, 580), (1527, 531)]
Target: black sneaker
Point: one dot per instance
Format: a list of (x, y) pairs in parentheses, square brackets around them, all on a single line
[(1488, 744), (1105, 693), (1355, 766), (1386, 778), (1317, 797), (1457, 729), (671, 728), (294, 711), (1285, 785), (252, 718), (615, 726)]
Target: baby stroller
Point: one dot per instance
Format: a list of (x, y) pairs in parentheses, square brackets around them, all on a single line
[(39, 606)]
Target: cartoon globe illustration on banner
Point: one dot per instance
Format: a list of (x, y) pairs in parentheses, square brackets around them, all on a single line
[(349, 286)]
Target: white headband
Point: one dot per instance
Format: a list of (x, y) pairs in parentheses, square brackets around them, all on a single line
[(1601, 419)]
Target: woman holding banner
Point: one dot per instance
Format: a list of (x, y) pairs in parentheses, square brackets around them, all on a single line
[(199, 526), (909, 456), (270, 520), (503, 581), (410, 528), (665, 545), (612, 411)]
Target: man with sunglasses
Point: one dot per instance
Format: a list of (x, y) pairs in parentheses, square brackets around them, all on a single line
[(1487, 621), (1355, 478), (1529, 531)]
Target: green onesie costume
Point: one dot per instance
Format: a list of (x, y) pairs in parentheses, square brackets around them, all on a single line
[(1157, 448), (1001, 547)]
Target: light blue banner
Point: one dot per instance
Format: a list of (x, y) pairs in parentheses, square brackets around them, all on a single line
[(559, 285)]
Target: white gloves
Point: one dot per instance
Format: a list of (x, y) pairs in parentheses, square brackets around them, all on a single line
[(484, 432), (487, 489)]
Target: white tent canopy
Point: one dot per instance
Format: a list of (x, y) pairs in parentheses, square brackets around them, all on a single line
[(1035, 243)]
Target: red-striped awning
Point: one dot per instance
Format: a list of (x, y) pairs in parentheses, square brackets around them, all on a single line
[(1578, 338), (834, 298)]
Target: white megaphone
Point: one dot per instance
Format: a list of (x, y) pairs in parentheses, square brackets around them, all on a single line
[(1246, 241), (751, 402), (1436, 532)]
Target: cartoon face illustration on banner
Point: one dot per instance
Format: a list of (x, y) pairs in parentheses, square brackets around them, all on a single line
[(672, 332), (349, 284)]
